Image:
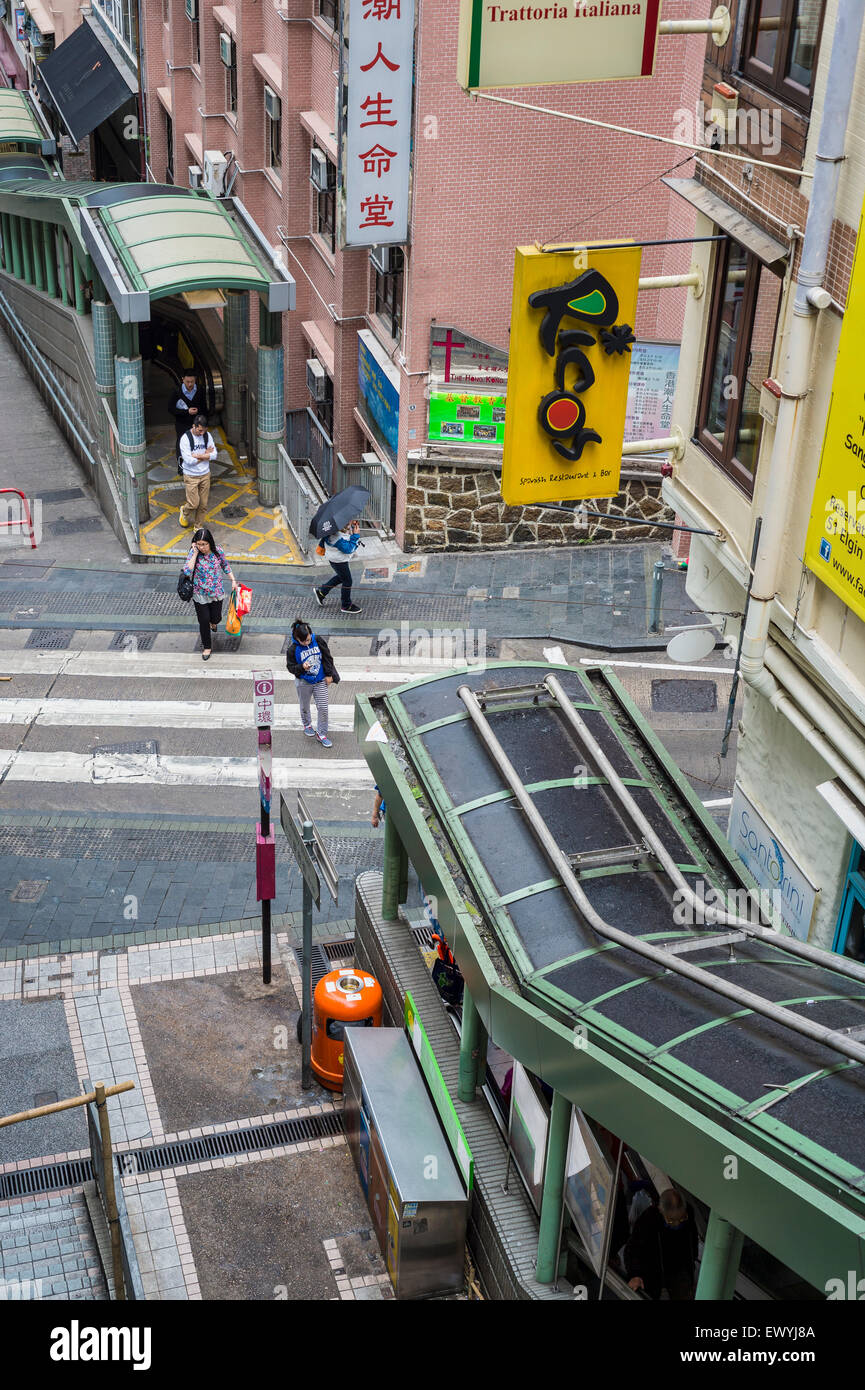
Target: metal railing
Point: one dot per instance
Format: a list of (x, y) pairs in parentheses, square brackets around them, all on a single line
[(305, 439), (377, 479), (297, 500)]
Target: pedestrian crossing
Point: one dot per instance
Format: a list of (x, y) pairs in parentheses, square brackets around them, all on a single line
[(52, 740)]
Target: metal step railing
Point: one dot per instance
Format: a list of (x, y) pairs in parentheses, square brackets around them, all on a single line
[(667, 960)]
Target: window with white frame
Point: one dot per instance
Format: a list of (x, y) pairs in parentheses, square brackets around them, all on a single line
[(119, 16)]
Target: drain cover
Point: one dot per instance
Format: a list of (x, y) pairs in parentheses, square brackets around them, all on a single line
[(63, 494), (233, 513), (29, 890), (44, 1098), (132, 641), (223, 643), (49, 637), (147, 745), (684, 697), (79, 524)]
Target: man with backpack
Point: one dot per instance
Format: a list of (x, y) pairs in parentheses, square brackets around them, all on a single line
[(197, 448), (309, 660), (185, 402)]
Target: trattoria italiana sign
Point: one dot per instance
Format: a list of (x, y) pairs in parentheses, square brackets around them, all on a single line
[(571, 337), (537, 45), (375, 176)]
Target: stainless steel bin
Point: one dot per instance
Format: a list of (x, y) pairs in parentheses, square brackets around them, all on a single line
[(415, 1194)]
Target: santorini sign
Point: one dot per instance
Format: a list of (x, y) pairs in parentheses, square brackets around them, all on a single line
[(776, 872), (538, 45)]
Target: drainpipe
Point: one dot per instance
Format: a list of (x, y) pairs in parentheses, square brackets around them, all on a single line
[(809, 297)]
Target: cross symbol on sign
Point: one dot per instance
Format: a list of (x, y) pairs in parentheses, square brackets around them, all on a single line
[(448, 344)]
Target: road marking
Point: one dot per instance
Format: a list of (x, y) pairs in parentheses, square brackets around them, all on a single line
[(176, 666), (159, 714), (106, 769), (655, 666)]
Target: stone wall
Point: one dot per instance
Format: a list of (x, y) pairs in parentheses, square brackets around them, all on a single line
[(450, 507)]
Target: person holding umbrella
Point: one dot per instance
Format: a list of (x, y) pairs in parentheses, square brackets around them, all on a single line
[(335, 523)]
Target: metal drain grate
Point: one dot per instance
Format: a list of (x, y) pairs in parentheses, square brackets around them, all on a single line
[(62, 494), (325, 1125), (324, 958), (57, 637), (51, 1177), (223, 642), (684, 697), (233, 513), (144, 745), (423, 937), (132, 641), (76, 526)]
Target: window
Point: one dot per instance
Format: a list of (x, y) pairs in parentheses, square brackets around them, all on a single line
[(323, 410), (118, 14), (782, 38), (274, 144), (388, 294), (741, 339), (231, 85), (325, 212), (196, 44), (329, 11), (169, 158), (850, 934)]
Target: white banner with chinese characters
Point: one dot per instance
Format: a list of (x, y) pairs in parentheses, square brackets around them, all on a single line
[(378, 122)]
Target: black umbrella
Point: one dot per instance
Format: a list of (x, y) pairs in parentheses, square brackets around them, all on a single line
[(338, 511)]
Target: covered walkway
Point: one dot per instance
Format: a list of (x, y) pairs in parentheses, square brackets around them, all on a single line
[(573, 872), (110, 253)]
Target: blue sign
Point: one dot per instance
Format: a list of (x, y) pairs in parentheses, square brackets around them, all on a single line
[(378, 380)]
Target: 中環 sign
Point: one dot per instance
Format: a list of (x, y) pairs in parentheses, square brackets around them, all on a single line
[(835, 544), (536, 45), (571, 334)]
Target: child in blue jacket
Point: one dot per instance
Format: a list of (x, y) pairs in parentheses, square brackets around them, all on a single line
[(309, 660), (346, 542)]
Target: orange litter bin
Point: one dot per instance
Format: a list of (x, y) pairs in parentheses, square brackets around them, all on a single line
[(346, 998)]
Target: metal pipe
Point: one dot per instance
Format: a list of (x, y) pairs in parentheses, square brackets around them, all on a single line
[(714, 916), (734, 687), (657, 591), (670, 282), (671, 443), (744, 998)]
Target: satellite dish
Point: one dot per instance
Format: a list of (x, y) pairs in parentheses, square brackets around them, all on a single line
[(692, 644)]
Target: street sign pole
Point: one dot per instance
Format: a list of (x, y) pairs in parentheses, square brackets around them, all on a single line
[(306, 1005), (265, 847)]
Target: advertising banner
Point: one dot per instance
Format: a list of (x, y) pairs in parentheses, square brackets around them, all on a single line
[(378, 129), (570, 361), (791, 894), (537, 45), (378, 384), (651, 388), (835, 544)]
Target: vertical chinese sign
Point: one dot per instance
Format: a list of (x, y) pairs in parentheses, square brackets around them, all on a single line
[(569, 364), (375, 174)]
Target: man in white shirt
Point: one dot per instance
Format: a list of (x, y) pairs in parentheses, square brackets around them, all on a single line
[(196, 450)]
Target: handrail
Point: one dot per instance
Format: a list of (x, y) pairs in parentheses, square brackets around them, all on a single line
[(714, 916), (26, 506), (826, 1037)]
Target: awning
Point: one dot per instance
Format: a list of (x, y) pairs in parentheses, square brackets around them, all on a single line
[(86, 81), (771, 252)]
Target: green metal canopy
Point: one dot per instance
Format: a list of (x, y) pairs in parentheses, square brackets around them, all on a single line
[(18, 122)]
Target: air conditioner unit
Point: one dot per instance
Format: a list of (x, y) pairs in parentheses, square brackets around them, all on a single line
[(318, 170), (382, 258), (226, 49), (272, 104), (215, 165), (316, 378), (192, 9), (194, 176)]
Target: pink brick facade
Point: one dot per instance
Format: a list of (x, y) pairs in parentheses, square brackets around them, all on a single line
[(485, 178)]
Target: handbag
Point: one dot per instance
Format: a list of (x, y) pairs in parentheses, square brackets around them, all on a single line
[(185, 583), (233, 623), (243, 600)]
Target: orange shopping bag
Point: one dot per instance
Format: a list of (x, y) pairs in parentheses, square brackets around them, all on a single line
[(232, 622)]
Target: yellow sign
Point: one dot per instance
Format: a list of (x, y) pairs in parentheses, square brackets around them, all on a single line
[(835, 545), (569, 363)]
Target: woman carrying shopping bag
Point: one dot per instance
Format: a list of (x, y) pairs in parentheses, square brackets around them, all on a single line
[(206, 564), (309, 660)]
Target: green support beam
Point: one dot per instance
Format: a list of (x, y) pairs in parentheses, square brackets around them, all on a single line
[(554, 1189), (470, 1040), (483, 1040), (26, 250), (61, 266), (78, 280), (395, 879), (36, 242), (7, 242), (50, 258), (719, 1266)]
